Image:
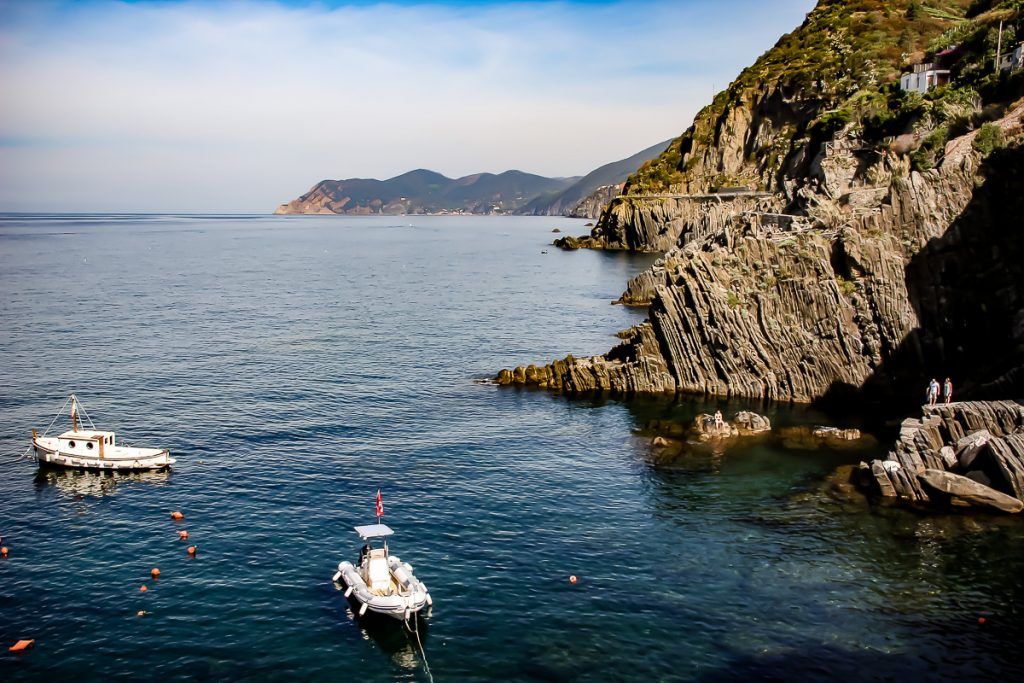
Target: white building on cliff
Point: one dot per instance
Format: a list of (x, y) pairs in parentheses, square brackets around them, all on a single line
[(924, 77)]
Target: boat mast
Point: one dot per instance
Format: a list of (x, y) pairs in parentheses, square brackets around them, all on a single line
[(74, 414)]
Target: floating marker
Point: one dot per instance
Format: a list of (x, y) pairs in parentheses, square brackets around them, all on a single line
[(183, 535), (141, 613), (572, 579), (981, 620), (142, 588), (177, 515), (4, 551), (155, 573), (21, 646), (192, 550)]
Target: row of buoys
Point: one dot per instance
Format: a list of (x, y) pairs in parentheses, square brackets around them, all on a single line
[(177, 516)]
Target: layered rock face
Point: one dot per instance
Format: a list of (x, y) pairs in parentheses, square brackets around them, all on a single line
[(926, 282), (807, 252), (959, 454)]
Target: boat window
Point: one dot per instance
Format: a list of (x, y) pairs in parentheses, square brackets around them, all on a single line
[(71, 444), (88, 444)]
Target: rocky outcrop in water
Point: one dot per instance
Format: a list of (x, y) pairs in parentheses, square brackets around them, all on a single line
[(962, 454), (864, 301)]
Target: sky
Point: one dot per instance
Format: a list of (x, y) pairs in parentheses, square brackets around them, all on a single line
[(241, 105)]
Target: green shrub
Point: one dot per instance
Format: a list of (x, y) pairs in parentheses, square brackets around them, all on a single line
[(930, 152), (989, 139)]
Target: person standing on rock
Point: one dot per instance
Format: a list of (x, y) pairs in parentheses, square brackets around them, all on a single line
[(947, 391), (718, 419), (933, 392)]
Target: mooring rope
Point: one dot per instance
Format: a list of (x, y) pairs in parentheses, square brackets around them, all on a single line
[(416, 631)]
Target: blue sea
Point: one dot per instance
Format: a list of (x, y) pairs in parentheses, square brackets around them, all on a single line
[(296, 365)]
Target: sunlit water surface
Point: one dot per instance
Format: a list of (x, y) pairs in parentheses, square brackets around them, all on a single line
[(295, 365)]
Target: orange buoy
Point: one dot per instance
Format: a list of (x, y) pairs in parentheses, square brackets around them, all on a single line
[(183, 535), (572, 579), (981, 620), (155, 573), (177, 515), (4, 551), (21, 646), (192, 550), (142, 588), (141, 613)]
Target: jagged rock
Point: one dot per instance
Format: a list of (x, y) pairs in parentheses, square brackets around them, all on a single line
[(991, 432), (968, 447), (813, 438), (836, 434), (571, 243), (748, 423), (705, 429), (882, 481), (969, 491)]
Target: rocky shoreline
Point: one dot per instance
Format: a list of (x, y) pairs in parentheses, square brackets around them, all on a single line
[(856, 303), (968, 454)]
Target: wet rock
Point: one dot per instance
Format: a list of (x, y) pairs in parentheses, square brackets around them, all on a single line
[(962, 490)]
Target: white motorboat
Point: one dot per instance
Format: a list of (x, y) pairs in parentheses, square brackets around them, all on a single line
[(93, 449), (381, 582)]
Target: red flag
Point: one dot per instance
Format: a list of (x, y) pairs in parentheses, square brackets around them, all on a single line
[(380, 505)]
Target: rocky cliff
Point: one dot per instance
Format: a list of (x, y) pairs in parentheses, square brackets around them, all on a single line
[(808, 254)]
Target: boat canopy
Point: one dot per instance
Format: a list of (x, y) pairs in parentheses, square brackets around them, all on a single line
[(373, 531)]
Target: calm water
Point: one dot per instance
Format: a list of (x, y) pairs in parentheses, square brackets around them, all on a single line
[(296, 365)]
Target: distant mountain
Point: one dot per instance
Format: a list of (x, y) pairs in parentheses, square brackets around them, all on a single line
[(426, 192), (586, 190)]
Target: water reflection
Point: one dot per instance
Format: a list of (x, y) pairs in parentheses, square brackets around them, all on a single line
[(390, 635), (83, 483)]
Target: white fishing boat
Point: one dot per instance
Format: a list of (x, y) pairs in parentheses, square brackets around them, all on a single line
[(381, 582), (93, 449)]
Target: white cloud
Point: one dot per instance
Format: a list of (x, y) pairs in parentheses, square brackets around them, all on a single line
[(239, 106)]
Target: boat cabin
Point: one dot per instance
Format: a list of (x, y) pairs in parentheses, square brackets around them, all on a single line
[(85, 442)]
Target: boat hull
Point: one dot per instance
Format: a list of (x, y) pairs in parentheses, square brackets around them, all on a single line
[(115, 459), (401, 606)]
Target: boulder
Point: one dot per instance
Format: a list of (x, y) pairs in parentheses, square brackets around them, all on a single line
[(747, 423), (964, 490), (882, 481), (968, 447), (705, 429), (948, 456)]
